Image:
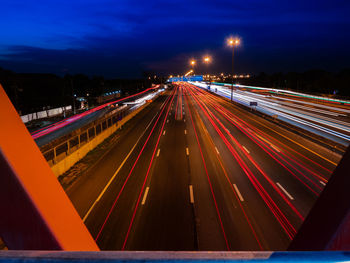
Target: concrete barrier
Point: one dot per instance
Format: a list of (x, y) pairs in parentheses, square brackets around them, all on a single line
[(66, 163)]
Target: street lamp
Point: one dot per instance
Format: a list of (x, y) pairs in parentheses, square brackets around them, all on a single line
[(192, 62), (232, 42), (207, 60)]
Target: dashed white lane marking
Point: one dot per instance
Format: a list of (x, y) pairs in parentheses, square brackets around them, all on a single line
[(285, 191), (238, 192), (217, 150), (191, 194), (187, 151), (246, 149), (167, 120), (145, 196), (185, 131), (273, 146), (158, 152), (184, 120), (164, 132), (323, 183)]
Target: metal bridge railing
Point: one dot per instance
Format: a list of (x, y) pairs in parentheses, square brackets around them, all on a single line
[(89, 132)]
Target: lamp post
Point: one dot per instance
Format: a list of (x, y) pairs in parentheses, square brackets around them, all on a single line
[(207, 60), (232, 42), (193, 63)]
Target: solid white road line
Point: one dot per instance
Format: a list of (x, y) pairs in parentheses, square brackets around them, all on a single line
[(116, 172), (285, 191), (145, 196), (191, 194), (246, 149), (238, 192), (217, 150), (164, 132), (158, 152), (323, 183), (187, 151), (185, 131)]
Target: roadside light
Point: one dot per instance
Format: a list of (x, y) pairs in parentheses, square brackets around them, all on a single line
[(207, 59)]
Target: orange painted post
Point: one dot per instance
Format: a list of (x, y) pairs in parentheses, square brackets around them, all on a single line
[(35, 212)]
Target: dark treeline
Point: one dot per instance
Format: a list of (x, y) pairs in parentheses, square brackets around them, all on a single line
[(313, 81), (34, 92)]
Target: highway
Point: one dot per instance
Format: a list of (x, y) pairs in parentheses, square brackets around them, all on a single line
[(194, 172)]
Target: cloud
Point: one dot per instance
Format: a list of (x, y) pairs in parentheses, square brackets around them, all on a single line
[(108, 35)]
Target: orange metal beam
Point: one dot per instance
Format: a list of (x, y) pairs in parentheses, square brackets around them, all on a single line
[(35, 211)]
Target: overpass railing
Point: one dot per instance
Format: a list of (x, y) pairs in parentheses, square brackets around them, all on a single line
[(79, 138)]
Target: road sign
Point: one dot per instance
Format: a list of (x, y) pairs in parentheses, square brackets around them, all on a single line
[(190, 78)]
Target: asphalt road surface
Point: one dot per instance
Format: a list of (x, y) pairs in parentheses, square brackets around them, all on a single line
[(194, 172)]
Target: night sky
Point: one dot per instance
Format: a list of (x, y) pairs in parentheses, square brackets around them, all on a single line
[(124, 38)]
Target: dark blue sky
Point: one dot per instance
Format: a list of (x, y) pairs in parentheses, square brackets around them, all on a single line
[(122, 38)]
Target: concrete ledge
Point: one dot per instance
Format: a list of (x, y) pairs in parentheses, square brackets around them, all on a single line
[(64, 165)]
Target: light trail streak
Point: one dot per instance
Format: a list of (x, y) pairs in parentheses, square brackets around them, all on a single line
[(288, 92)]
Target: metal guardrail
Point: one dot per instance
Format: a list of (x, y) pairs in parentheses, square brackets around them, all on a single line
[(87, 133)]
